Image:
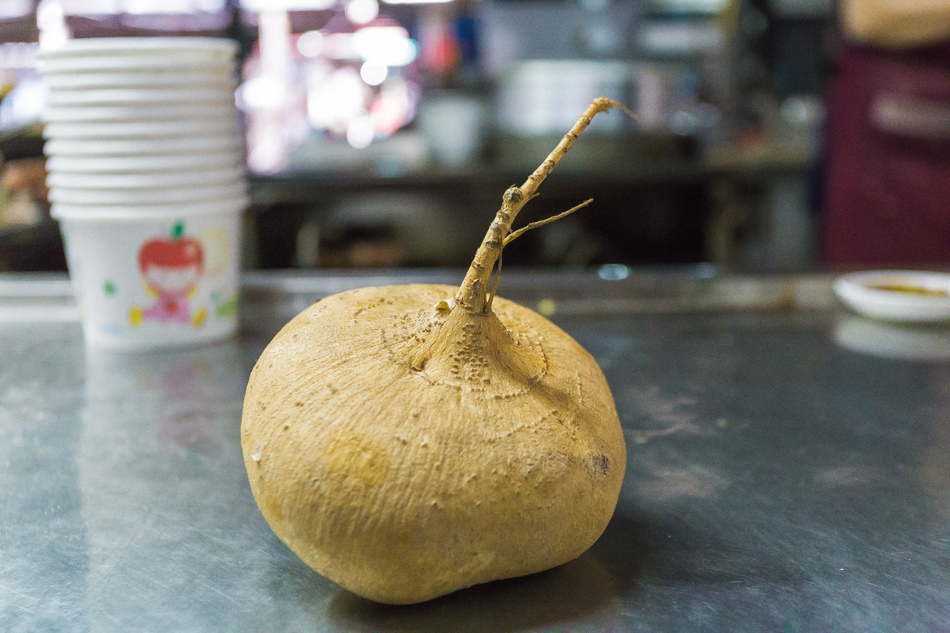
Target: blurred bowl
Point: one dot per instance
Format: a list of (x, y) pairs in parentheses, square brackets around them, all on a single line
[(138, 164), (897, 295), (151, 196), (146, 180), (143, 147)]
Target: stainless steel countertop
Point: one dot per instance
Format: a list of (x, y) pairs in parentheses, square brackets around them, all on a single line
[(778, 479)]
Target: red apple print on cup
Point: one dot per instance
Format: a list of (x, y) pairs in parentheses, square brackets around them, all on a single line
[(171, 269)]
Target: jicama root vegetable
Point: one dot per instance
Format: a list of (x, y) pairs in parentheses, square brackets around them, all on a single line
[(409, 441)]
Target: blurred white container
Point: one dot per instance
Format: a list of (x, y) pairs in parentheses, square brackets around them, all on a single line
[(544, 97), (454, 127), (154, 279), (897, 295)]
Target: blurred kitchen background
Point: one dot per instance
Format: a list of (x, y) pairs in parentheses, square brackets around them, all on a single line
[(382, 133)]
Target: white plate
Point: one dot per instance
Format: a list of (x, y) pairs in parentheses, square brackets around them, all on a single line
[(160, 180), (141, 96), (208, 47), (875, 294), (138, 112), (167, 196), (142, 147), (88, 81), (138, 164), (140, 129)]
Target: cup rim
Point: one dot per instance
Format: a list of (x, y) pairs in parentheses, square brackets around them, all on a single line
[(100, 165), (115, 80), (123, 113), (128, 182), (129, 130), (141, 147), (85, 65), (140, 45), (142, 96), (147, 195), (132, 213)]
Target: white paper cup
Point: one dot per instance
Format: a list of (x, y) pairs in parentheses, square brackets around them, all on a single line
[(154, 281), (146, 180), (150, 165), (135, 112), (153, 196)]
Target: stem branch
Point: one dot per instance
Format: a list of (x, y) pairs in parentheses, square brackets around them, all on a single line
[(516, 234)]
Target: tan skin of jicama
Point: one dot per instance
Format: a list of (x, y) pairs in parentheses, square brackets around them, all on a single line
[(410, 441)]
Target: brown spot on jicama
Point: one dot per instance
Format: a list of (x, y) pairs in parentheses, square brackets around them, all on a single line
[(272, 505), (355, 455), (598, 463)]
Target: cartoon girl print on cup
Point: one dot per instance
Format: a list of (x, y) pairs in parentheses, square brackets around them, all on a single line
[(171, 269)]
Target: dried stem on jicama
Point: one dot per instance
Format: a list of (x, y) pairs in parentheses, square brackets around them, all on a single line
[(475, 287)]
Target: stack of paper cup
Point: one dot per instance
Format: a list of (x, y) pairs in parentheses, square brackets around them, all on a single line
[(146, 177)]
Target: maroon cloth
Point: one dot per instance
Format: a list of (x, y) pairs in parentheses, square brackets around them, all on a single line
[(888, 186)]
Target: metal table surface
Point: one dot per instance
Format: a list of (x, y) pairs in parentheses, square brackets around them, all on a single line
[(788, 470)]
